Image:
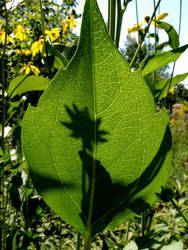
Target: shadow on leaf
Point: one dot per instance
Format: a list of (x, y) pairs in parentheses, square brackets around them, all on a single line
[(109, 198)]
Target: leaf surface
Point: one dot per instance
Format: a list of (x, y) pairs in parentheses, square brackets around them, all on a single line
[(24, 83), (173, 41), (163, 86), (154, 62), (95, 144)]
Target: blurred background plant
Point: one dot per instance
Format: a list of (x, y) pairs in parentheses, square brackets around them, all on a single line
[(29, 59)]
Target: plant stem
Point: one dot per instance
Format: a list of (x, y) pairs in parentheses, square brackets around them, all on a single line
[(44, 37), (174, 64), (78, 243), (179, 211), (144, 35), (155, 44), (3, 79), (120, 13), (127, 231), (143, 223), (111, 17)]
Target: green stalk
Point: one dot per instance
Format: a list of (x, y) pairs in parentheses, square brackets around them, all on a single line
[(3, 79), (143, 37), (127, 231), (78, 243), (120, 13), (44, 37), (143, 223), (155, 44), (174, 64), (179, 211), (111, 17)]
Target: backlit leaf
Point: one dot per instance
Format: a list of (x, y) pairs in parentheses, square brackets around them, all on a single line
[(154, 62), (163, 86), (24, 83), (95, 146), (173, 41)]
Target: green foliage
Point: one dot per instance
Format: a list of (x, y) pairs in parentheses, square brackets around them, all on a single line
[(172, 35), (162, 87), (154, 62), (22, 84), (85, 137), (26, 222)]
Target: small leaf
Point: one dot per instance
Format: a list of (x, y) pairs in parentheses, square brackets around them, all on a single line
[(174, 246), (59, 57), (155, 36), (161, 46), (95, 145), (154, 62), (172, 34), (23, 83), (163, 86)]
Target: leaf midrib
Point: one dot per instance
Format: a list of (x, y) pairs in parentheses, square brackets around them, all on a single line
[(90, 212)]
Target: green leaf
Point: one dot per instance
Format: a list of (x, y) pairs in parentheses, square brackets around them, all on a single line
[(172, 34), (154, 62), (161, 46), (150, 83), (24, 83), (163, 86), (59, 58), (95, 145), (174, 246), (155, 36)]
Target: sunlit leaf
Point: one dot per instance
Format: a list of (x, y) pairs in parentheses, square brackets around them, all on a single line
[(172, 34), (97, 150), (164, 85), (154, 62), (24, 83)]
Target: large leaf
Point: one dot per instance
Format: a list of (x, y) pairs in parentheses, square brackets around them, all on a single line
[(94, 144), (24, 83), (154, 62), (173, 37), (163, 86)]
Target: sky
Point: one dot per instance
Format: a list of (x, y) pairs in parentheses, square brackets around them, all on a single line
[(145, 8)]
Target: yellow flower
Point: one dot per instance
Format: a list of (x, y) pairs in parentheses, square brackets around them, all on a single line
[(182, 110), (29, 67), (26, 52), (65, 24), (21, 33), (53, 33), (37, 46), (69, 22), (2, 38), (72, 22), (137, 27), (171, 90), (161, 16), (174, 121)]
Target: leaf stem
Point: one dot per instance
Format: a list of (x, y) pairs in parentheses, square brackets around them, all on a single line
[(44, 37), (111, 18), (174, 64), (127, 231), (3, 206), (144, 35), (78, 243), (120, 13), (155, 45), (143, 223)]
